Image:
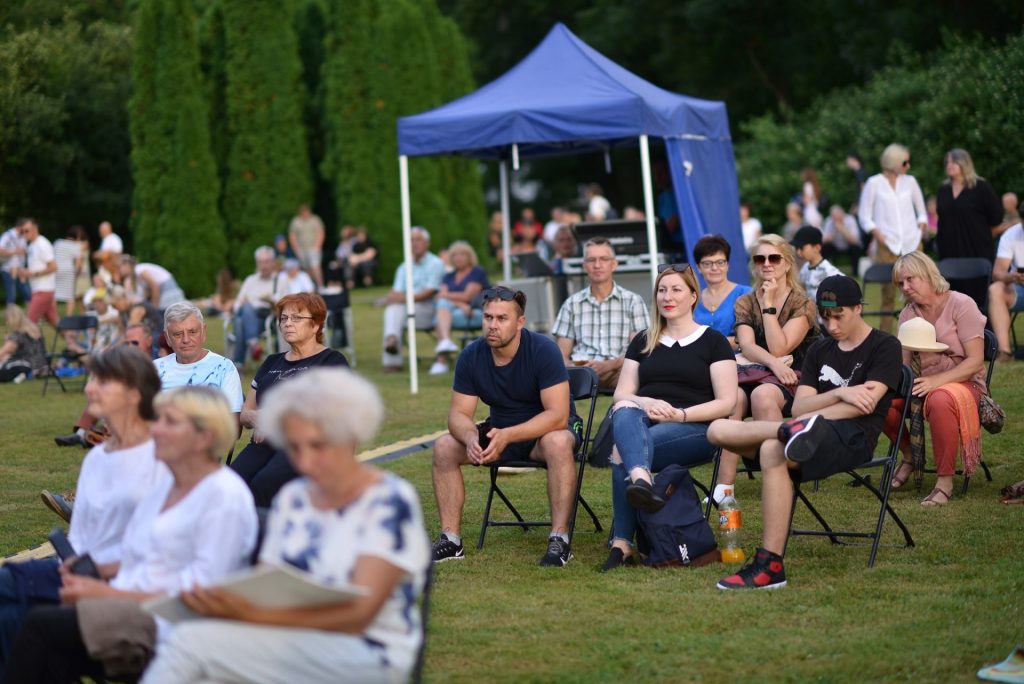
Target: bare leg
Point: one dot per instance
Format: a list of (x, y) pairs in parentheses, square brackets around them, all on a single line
[(555, 449), (444, 323), (776, 496), (1001, 299), (767, 402), (449, 487), (730, 460), (743, 438)]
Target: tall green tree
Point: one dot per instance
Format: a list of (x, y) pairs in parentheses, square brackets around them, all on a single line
[(268, 172), (176, 220)]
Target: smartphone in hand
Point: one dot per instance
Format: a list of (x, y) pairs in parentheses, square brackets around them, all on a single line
[(82, 565)]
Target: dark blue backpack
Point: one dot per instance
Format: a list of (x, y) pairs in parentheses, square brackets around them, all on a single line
[(678, 535)]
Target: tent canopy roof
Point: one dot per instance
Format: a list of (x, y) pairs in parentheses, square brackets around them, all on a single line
[(563, 96)]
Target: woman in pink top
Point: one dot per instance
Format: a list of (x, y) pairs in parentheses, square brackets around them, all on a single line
[(951, 412)]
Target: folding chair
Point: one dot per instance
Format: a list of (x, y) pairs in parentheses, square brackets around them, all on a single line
[(967, 269), (416, 677), (339, 325), (582, 386), (84, 323), (888, 463), (880, 274)]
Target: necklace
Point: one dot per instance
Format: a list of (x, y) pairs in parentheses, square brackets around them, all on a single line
[(711, 300)]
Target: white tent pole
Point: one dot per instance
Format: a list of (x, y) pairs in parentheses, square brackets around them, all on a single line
[(410, 311), (505, 221), (652, 238)]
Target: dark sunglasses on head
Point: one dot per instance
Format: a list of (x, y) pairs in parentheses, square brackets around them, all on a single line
[(506, 295), (774, 259), (678, 268)]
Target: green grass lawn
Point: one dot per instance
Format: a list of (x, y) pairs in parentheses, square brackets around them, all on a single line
[(936, 612)]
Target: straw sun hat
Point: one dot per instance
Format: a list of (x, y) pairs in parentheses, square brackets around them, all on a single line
[(918, 335)]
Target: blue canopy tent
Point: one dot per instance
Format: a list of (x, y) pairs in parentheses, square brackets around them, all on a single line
[(565, 97)]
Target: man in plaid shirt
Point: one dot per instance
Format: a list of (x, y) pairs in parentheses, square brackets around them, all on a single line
[(595, 325)]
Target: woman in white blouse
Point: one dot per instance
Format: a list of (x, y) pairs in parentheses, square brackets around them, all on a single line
[(344, 522), (892, 211), (194, 527)]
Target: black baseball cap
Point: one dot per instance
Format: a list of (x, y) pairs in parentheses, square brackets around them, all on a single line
[(838, 290), (807, 235)]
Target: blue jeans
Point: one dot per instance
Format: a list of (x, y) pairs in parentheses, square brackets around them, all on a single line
[(13, 286), (13, 609), (644, 444), (460, 321), (248, 326)]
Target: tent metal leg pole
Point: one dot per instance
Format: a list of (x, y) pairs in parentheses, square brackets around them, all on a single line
[(506, 222), (410, 311), (652, 238)]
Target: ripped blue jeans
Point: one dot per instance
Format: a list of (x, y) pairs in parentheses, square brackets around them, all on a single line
[(642, 443)]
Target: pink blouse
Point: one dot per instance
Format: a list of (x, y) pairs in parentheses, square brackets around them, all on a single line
[(958, 322)]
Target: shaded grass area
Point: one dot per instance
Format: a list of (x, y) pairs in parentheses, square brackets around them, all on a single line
[(936, 612)]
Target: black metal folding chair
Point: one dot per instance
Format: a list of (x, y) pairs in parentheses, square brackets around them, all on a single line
[(880, 274), (582, 387), (888, 463), (85, 323)]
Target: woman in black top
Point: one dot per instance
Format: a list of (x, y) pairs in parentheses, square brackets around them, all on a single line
[(968, 209), (676, 378), (301, 318)]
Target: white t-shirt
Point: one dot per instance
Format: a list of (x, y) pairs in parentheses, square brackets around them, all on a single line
[(254, 289), (10, 241), (1011, 246), (751, 231), (159, 274), (40, 253), (213, 370), (201, 539), (385, 522), (110, 486), (598, 207), (286, 285), (113, 244)]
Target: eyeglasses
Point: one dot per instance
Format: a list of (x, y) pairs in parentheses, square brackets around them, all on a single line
[(294, 318), (906, 163), (717, 263), (773, 259), (506, 295), (134, 343), (680, 268), (593, 260)]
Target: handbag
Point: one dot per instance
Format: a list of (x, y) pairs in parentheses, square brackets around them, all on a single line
[(991, 414)]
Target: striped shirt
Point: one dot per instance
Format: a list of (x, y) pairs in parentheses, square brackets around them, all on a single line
[(601, 330)]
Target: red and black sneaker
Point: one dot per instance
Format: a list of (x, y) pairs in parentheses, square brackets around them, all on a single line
[(802, 437), (764, 571)]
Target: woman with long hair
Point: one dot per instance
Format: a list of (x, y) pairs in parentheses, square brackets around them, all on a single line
[(775, 325), (677, 377), (968, 209)]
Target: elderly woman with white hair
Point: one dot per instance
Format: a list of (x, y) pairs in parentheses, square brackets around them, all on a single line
[(892, 211), (343, 522), (195, 527)]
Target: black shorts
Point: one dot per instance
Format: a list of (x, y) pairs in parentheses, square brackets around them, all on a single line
[(520, 451), (845, 446)]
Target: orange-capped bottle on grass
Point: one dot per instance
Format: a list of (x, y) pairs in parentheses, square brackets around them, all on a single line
[(730, 529)]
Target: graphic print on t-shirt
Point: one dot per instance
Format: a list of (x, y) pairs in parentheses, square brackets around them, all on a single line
[(830, 375)]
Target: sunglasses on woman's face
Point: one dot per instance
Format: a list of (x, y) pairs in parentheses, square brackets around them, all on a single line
[(773, 259)]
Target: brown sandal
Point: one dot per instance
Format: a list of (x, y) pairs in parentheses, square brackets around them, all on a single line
[(932, 499), (898, 481)]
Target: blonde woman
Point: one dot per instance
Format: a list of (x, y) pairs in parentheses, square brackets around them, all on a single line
[(775, 324), (676, 378), (455, 301)]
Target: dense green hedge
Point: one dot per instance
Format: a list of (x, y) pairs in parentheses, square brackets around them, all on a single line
[(971, 95), (175, 219)]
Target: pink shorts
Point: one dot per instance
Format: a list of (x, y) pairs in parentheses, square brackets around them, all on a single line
[(43, 305)]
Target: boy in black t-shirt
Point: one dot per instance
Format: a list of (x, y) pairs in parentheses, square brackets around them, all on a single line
[(846, 386)]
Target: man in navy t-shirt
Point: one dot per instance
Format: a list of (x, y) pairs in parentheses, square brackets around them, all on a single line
[(521, 376)]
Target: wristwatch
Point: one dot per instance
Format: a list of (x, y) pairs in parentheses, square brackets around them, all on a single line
[(770, 310)]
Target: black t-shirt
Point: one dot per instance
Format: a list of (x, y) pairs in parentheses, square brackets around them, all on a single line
[(680, 374), (276, 368), (511, 391), (877, 358), (966, 221)]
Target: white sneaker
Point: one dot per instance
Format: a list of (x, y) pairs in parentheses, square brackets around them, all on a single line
[(446, 346), (439, 368)]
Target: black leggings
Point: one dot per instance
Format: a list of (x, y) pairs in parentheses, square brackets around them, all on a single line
[(49, 649), (265, 470)]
